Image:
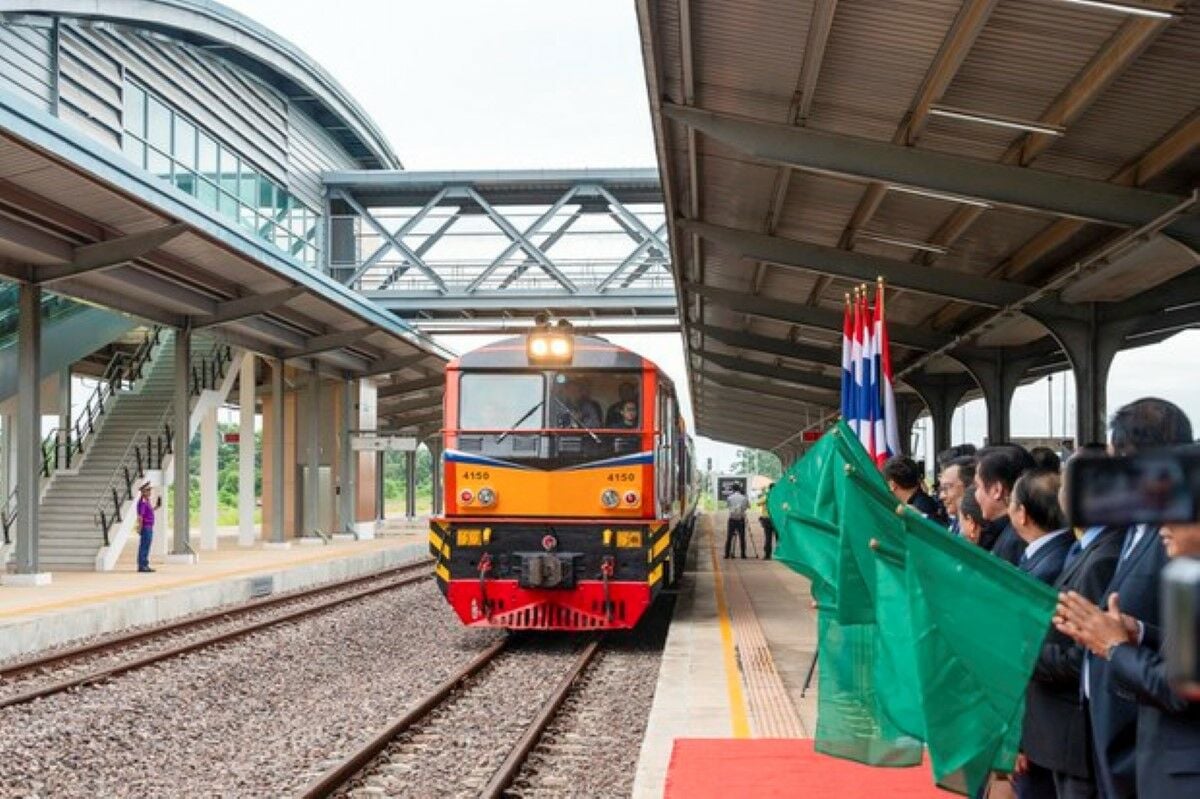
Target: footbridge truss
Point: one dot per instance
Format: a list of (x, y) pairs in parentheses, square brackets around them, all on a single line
[(465, 251)]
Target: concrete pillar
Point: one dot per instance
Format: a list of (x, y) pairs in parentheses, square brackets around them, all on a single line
[(998, 378), (908, 408), (28, 438), (435, 463), (208, 480), (312, 482), (410, 484), (8, 454), (181, 544), (380, 503), (276, 455), (246, 495), (347, 463)]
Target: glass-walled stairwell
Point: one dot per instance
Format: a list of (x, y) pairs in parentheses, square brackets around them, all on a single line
[(163, 141), (54, 308)]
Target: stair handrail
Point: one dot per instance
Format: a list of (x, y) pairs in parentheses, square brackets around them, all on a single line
[(61, 446), (209, 371), (131, 467)]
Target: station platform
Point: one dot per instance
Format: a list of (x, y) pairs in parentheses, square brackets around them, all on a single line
[(79, 604), (730, 714)]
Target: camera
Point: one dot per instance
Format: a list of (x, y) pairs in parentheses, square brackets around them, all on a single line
[(1158, 487)]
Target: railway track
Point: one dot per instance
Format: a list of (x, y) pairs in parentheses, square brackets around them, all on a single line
[(430, 725), (26, 680)]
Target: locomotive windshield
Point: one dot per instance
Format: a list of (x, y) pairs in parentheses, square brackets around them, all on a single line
[(501, 402), (567, 416)]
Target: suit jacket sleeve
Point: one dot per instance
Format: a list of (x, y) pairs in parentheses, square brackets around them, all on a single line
[(1061, 660), (1143, 672)]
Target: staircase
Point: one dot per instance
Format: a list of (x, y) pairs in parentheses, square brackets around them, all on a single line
[(69, 538), (131, 439)]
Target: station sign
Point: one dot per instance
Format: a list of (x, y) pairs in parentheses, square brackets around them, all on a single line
[(383, 443)]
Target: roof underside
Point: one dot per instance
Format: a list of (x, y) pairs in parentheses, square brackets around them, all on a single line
[(808, 146)]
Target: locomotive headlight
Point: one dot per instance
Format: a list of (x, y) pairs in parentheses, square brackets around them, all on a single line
[(539, 346), (550, 344), (609, 498), (560, 347), (486, 497)]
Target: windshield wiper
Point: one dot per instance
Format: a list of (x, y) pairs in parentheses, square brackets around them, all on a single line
[(575, 418), (517, 423)]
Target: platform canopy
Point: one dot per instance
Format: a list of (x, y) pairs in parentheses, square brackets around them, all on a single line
[(83, 222), (1021, 172)]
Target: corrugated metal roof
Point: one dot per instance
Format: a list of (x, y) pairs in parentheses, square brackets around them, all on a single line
[(1027, 56)]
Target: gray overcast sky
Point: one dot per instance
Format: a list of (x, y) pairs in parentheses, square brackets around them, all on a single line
[(478, 84)]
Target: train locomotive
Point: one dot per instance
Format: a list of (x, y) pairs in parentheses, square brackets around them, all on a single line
[(570, 488)]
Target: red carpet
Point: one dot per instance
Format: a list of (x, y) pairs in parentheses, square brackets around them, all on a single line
[(765, 767)]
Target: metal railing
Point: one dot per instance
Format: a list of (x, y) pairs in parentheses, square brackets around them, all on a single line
[(63, 447), (8, 517), (147, 450), (149, 447)]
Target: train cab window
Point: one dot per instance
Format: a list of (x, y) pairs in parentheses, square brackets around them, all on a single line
[(500, 402), (596, 400)]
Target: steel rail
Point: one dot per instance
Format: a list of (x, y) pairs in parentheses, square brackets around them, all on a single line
[(503, 779), (337, 777), (171, 652)]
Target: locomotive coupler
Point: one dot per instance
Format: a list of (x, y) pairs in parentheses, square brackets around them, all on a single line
[(485, 567), (607, 567)]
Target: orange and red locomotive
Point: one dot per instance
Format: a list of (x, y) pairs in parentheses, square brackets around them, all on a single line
[(569, 484)]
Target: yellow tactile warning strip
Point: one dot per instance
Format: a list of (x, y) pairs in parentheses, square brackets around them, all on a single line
[(733, 680), (771, 706)]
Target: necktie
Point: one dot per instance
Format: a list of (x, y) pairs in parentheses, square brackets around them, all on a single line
[(1073, 554), (1131, 539)]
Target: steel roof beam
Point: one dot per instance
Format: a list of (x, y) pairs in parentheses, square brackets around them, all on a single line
[(386, 365), (829, 356), (1005, 184), (814, 381), (108, 254), (946, 283), (514, 299), (410, 387), (329, 341), (395, 241), (759, 387), (251, 305), (737, 408), (808, 316)]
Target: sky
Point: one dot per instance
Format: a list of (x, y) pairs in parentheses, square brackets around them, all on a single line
[(529, 84)]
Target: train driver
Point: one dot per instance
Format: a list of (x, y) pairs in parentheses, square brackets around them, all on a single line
[(628, 393), (577, 408)]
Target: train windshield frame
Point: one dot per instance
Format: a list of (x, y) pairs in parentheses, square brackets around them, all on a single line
[(559, 416)]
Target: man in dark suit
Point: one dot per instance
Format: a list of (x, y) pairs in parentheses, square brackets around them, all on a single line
[(956, 478), (904, 479), (1037, 519), (1167, 749), (996, 473), (1145, 424)]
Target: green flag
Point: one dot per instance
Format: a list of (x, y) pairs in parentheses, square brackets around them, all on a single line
[(922, 635)]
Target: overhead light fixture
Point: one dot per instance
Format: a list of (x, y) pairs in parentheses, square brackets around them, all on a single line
[(939, 195), (906, 243), (995, 119), (1123, 8)]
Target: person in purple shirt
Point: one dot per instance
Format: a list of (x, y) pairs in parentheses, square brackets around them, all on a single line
[(145, 512)]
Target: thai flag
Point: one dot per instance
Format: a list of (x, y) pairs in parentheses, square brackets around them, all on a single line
[(864, 374), (848, 366), (888, 429)]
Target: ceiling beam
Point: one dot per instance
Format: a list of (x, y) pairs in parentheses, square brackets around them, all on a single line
[(416, 421), (411, 405), (737, 404), (829, 356), (252, 305), (33, 244), (411, 386), (944, 283), (808, 316), (394, 364), (814, 381), (743, 383), (330, 341), (111, 253), (856, 157)]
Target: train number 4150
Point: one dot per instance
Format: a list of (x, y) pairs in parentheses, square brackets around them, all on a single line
[(621, 477)]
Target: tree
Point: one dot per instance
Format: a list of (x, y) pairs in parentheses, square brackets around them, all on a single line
[(757, 461)]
